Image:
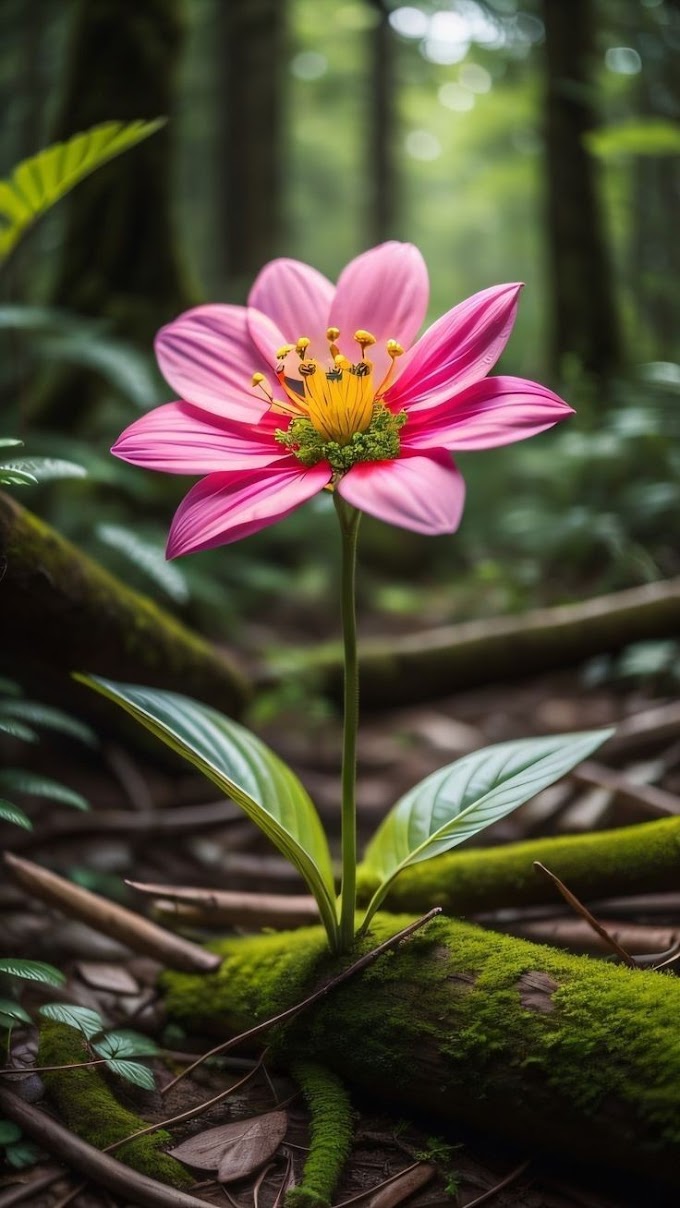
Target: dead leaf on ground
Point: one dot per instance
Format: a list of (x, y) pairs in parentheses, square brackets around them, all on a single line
[(237, 1149)]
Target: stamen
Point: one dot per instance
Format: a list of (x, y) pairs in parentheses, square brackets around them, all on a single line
[(260, 382), (302, 346), (341, 362), (332, 334), (394, 350), (282, 352), (307, 368), (364, 339)]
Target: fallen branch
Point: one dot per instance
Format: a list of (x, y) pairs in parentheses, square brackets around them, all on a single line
[(109, 918), (49, 587), (424, 666), (564, 1053)]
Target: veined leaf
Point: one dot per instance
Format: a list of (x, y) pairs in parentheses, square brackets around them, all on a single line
[(17, 729), (39, 182), (123, 1043), (464, 797), (90, 1023), (12, 476), (37, 971), (245, 770), (133, 1071), (14, 1011), (19, 781), (49, 717), (149, 556), (41, 469), (12, 813)]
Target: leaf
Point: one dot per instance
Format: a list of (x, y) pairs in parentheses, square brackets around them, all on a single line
[(9, 442), (89, 1022), (12, 477), (41, 469), (16, 730), (24, 1153), (32, 971), (16, 1013), (51, 718), (635, 136), (243, 768), (9, 1132), (9, 687), (149, 557), (235, 1150), (19, 781), (126, 1043), (463, 798), (133, 1072), (12, 813), (43, 179)]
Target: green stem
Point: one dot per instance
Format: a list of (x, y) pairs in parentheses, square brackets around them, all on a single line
[(349, 519)]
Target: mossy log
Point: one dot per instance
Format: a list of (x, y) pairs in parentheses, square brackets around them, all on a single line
[(629, 860), (64, 612), (553, 1051), (437, 662)]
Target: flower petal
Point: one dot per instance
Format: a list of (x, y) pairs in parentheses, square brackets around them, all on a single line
[(495, 411), (297, 299), (225, 507), (181, 439), (384, 291), (458, 350), (425, 494), (208, 356)]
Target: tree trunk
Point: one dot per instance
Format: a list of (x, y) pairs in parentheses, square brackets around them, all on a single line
[(120, 258), (584, 321), (62, 613), (553, 1051), (250, 42), (381, 168), (435, 663)]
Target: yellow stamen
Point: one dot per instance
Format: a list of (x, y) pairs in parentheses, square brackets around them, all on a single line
[(260, 383), (282, 352), (341, 362), (332, 333), (339, 406), (394, 349), (302, 346)]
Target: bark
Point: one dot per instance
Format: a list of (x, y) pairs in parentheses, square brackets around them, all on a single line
[(425, 666), (250, 41), (584, 321), (65, 613), (120, 258), (634, 859), (381, 167), (552, 1051)]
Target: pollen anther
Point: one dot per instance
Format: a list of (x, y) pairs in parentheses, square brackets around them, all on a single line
[(282, 352)]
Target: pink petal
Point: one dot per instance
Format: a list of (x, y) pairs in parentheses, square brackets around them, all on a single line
[(208, 356), (425, 494), (495, 411), (181, 439), (384, 291), (296, 298), (458, 350), (226, 507)]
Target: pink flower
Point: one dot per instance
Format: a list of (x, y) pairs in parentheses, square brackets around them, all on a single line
[(350, 409)]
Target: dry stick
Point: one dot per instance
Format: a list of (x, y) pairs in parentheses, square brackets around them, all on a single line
[(98, 1167), (365, 960), (116, 921), (232, 907), (585, 914), (175, 820), (656, 801), (509, 1178), (17, 1194), (361, 1195)]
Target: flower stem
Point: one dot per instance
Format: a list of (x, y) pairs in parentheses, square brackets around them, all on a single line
[(349, 519)]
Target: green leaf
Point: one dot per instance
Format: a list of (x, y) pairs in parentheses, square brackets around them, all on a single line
[(19, 781), (635, 136), (24, 1153), (133, 1072), (125, 1043), (10, 476), (9, 442), (36, 971), (39, 182), (9, 1132), (41, 469), (149, 556), (12, 813), (243, 768), (460, 800), (15, 729), (16, 1013), (50, 718), (89, 1022)]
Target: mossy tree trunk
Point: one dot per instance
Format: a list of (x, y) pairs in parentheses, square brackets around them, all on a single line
[(120, 258), (553, 1051), (584, 320)]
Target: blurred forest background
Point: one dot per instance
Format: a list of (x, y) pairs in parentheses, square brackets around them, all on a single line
[(508, 139)]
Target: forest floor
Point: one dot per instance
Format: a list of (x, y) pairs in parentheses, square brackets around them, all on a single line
[(122, 838)]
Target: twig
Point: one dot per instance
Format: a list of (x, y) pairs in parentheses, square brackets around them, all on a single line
[(175, 820), (232, 907), (361, 1195), (98, 1167), (509, 1178), (363, 961), (585, 914), (29, 1187), (116, 921), (655, 801)]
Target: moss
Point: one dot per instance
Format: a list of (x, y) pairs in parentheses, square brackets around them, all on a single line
[(461, 1021), (89, 1107), (330, 1135), (632, 859)]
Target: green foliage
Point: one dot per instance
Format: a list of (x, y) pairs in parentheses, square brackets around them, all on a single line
[(456, 802), (331, 1130), (115, 1047), (635, 136), (244, 769), (37, 971), (12, 813), (37, 785), (43, 179)]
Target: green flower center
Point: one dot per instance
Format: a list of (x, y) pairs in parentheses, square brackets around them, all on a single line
[(380, 441)]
